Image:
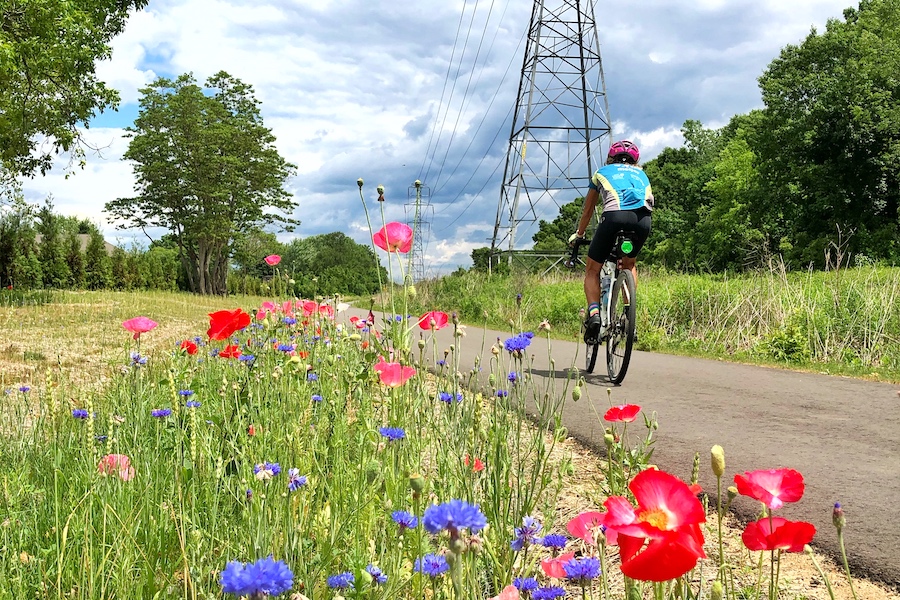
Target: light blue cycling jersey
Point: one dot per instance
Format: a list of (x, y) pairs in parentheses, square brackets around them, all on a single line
[(622, 187)]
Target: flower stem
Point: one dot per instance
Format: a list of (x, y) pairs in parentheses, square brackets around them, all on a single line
[(840, 535), (815, 563)]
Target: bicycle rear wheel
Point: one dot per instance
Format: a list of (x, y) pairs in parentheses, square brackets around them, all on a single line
[(620, 334), (590, 356)]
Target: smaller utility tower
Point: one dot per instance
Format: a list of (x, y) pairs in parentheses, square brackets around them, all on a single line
[(418, 212)]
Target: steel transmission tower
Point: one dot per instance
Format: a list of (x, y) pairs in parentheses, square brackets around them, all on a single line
[(560, 121), (419, 206)]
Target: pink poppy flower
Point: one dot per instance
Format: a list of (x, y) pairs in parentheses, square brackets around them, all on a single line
[(624, 413), (659, 539), (554, 567), (393, 374), (309, 308), (434, 318), (139, 325), (326, 310), (116, 464), (272, 260), (779, 534), (394, 237), (585, 525), (268, 306), (772, 487), (510, 592)]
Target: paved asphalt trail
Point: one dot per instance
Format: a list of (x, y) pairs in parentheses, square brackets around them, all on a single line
[(842, 434)]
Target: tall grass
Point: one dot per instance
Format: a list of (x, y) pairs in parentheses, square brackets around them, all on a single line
[(847, 318)]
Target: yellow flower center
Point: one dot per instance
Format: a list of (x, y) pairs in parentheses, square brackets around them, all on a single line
[(655, 517)]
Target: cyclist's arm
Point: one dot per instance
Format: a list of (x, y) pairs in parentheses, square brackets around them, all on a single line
[(590, 203)]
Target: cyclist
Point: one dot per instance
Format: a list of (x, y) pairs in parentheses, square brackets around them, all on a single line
[(627, 204)]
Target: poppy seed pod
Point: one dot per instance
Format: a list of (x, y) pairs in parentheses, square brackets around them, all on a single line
[(359, 182), (380, 189), (717, 456), (417, 483), (421, 344)]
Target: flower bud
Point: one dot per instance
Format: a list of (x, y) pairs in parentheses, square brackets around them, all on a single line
[(576, 393), (837, 517), (417, 483), (717, 456), (717, 592), (359, 182), (492, 380), (457, 546), (411, 291), (421, 344), (495, 350), (609, 440), (732, 493), (380, 189), (454, 318)]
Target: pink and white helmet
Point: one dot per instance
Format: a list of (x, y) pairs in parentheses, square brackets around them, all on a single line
[(624, 148)]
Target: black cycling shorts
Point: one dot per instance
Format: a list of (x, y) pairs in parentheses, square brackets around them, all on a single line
[(636, 222)]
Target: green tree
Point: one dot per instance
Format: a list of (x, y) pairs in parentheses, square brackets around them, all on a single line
[(52, 253), (97, 265), (331, 263), (832, 149), (250, 250), (48, 83), (554, 235), (207, 170), (74, 260)]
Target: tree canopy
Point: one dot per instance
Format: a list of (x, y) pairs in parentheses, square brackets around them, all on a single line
[(207, 170), (48, 84)]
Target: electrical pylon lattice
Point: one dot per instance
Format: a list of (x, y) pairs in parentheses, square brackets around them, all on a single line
[(560, 121), (418, 209)]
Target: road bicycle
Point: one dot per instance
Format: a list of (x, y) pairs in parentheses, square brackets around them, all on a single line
[(617, 309)]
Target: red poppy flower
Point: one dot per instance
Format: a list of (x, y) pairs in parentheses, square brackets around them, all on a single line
[(433, 319), (477, 464), (189, 347), (326, 310), (251, 431), (223, 323), (772, 487), (230, 351), (139, 325), (625, 413), (585, 525), (553, 567), (393, 374), (309, 308), (394, 237), (779, 534), (272, 260), (667, 519)]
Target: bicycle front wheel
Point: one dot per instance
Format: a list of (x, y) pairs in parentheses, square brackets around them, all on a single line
[(621, 327)]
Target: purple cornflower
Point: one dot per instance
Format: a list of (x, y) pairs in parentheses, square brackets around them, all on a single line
[(431, 565), (285, 347), (378, 578), (295, 480), (442, 363), (266, 470), (137, 360), (247, 358), (525, 584), (312, 377), (185, 393), (448, 397), (548, 593), (316, 398), (161, 413), (249, 494), (512, 377), (192, 404), (502, 393), (265, 577), (404, 519), (526, 534), (452, 516), (25, 389), (554, 541), (80, 413), (392, 433), (517, 343), (341, 580), (289, 321), (582, 570)]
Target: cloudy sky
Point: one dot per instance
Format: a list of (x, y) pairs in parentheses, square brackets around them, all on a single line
[(398, 91)]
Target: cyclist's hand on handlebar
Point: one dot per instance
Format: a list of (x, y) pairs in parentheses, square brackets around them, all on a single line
[(574, 238)]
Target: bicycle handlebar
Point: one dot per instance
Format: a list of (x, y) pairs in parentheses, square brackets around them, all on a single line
[(573, 257)]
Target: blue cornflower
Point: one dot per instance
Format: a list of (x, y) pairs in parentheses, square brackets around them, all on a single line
[(24, 389), (392, 433), (295, 480), (512, 377), (137, 360), (452, 516), (431, 565), (517, 343), (249, 494), (527, 334), (289, 321), (312, 377), (398, 318), (526, 534), (548, 593), (247, 358), (80, 413), (266, 470), (582, 570), (448, 397), (441, 363), (285, 347), (554, 541), (316, 398), (214, 352), (266, 576), (341, 580), (525, 584), (101, 438), (378, 577), (161, 413), (404, 519), (186, 393), (502, 393), (192, 404)]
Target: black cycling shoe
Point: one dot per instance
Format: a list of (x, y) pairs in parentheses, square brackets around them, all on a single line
[(593, 329)]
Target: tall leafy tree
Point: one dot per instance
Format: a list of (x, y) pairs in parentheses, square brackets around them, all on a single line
[(331, 263), (97, 264), (55, 268), (554, 235), (207, 170), (48, 83)]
